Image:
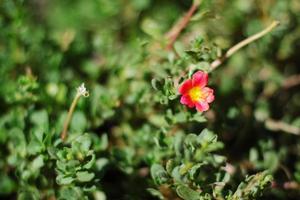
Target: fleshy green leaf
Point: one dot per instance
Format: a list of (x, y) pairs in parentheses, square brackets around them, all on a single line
[(84, 176), (187, 193)]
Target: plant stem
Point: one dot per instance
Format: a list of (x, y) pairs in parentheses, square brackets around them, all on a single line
[(291, 81), (69, 117), (282, 126), (243, 43), (179, 26), (81, 91), (291, 185)]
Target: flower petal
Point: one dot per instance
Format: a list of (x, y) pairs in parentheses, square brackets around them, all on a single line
[(200, 79), (186, 100), (185, 87), (202, 106), (209, 94)]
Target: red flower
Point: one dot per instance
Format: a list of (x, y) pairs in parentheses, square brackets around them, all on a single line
[(195, 94)]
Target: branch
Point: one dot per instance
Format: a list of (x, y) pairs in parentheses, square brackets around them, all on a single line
[(282, 126), (179, 26), (292, 185), (291, 81), (243, 43), (289, 185)]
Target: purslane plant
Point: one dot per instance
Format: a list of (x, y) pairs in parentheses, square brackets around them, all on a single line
[(195, 171)]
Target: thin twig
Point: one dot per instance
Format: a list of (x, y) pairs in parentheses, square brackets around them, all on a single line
[(291, 81), (235, 48), (81, 91), (69, 117), (179, 26), (275, 125), (243, 43), (291, 185)]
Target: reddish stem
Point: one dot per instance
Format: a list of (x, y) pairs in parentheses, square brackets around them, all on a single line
[(178, 27), (291, 81)]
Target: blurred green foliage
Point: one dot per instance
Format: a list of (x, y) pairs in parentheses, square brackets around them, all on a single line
[(132, 139)]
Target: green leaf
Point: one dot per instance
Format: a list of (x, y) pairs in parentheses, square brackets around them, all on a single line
[(64, 180), (159, 174), (84, 176), (271, 160), (155, 193), (101, 163), (7, 185), (29, 193), (91, 162), (198, 117), (37, 163), (194, 171), (99, 195), (103, 142), (170, 166), (82, 143), (156, 84), (176, 174), (71, 192), (206, 137), (41, 120), (17, 141), (253, 186), (34, 147), (187, 193), (78, 122)]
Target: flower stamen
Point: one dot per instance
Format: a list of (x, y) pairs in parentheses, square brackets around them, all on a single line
[(196, 94)]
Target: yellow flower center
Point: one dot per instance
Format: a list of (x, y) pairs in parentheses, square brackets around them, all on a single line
[(196, 94)]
